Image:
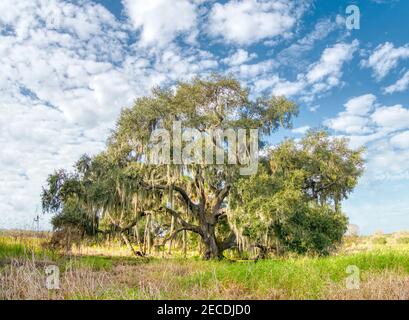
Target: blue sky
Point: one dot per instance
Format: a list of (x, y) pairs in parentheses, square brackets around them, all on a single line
[(68, 67)]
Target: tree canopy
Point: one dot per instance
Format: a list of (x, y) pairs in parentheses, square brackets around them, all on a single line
[(293, 203), (294, 195)]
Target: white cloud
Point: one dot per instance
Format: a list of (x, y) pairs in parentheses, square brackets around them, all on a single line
[(288, 88), (314, 108), (321, 76), (394, 117), (66, 72), (322, 29), (401, 140), (248, 21), (387, 163), (385, 58), (250, 73), (331, 62), (401, 85), (359, 139), (350, 124), (301, 130), (239, 57), (361, 105), (383, 130), (362, 116), (160, 21), (67, 69)]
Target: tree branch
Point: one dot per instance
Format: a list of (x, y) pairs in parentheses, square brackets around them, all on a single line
[(186, 225), (126, 228), (173, 235), (229, 242), (219, 200), (191, 205)]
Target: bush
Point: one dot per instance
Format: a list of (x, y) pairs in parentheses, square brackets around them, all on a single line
[(317, 230)]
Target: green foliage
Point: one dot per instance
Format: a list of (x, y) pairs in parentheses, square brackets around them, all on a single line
[(74, 216), (118, 188), (328, 167), (316, 229), (293, 203)]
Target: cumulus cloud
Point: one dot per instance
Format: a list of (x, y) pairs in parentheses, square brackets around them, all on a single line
[(67, 69), (247, 21), (321, 76), (394, 117), (384, 132), (239, 57), (401, 140), (349, 123), (255, 73), (330, 64), (53, 93), (401, 85), (385, 58), (288, 88), (321, 30), (160, 21), (362, 115), (361, 105)]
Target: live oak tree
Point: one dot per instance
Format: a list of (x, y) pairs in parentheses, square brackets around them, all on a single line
[(125, 184), (291, 201), (194, 194)]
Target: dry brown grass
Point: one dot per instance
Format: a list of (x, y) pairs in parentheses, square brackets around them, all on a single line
[(98, 273), (25, 279), (20, 234), (165, 281), (383, 286)]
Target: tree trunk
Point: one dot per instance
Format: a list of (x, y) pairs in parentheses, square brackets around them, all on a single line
[(263, 251), (212, 250)]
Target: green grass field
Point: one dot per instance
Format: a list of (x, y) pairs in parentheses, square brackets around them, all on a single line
[(383, 273)]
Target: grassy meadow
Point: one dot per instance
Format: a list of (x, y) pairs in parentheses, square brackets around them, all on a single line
[(110, 272)]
